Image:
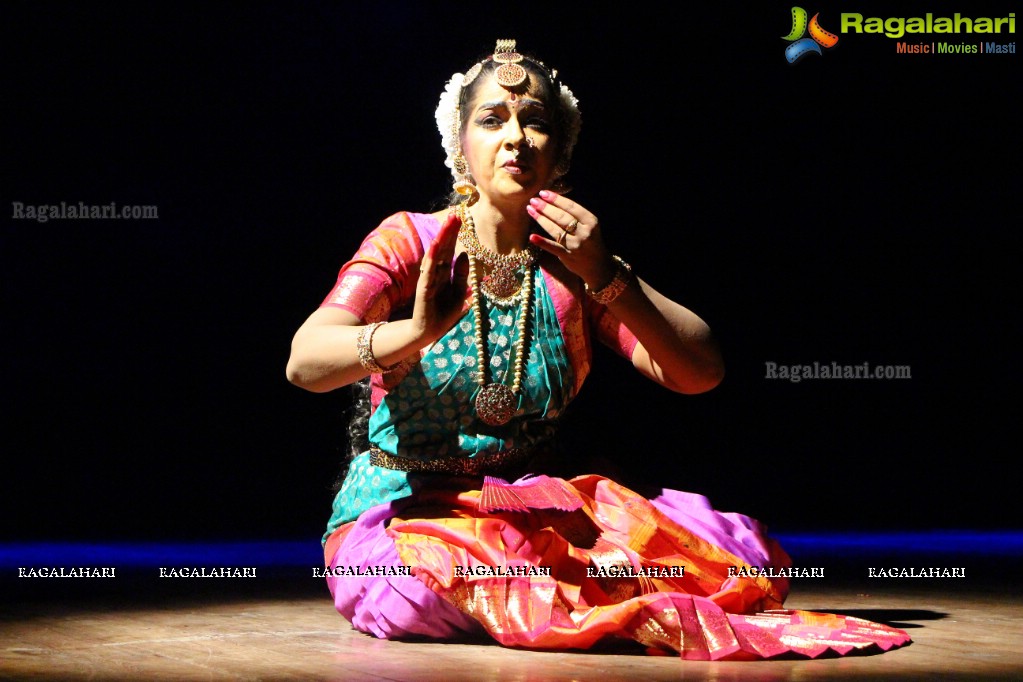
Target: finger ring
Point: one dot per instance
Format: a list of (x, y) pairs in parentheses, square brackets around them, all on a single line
[(561, 239), (571, 227)]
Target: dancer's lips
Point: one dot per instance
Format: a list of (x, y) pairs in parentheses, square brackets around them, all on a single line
[(515, 166)]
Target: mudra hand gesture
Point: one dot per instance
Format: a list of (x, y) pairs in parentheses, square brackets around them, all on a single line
[(575, 237), (440, 292)]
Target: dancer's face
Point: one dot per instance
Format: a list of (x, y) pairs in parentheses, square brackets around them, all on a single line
[(509, 142)]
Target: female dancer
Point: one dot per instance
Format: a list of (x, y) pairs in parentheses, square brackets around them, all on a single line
[(507, 290)]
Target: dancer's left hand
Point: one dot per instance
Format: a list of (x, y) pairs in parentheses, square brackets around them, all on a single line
[(574, 237)]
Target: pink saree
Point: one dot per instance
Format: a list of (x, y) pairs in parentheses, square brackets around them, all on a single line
[(610, 576)]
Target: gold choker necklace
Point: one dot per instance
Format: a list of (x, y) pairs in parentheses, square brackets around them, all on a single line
[(502, 285)]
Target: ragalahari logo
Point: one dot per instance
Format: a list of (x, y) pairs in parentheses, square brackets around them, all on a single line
[(802, 46)]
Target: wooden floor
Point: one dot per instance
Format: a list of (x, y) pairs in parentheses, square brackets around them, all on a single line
[(962, 636)]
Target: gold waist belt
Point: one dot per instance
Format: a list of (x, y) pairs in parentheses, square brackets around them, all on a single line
[(456, 466)]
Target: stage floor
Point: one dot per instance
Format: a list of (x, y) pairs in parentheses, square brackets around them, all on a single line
[(972, 635), (283, 627)]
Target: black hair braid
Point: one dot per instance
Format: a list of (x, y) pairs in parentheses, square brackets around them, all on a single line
[(358, 426)]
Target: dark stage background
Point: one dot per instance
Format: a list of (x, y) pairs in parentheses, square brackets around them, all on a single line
[(855, 207)]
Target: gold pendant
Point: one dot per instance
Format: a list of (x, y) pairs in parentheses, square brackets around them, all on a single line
[(502, 283), (510, 75), (495, 404)]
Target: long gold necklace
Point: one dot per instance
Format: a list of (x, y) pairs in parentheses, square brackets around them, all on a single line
[(496, 403)]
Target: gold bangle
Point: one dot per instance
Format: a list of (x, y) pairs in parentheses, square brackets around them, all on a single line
[(364, 345), (614, 289)]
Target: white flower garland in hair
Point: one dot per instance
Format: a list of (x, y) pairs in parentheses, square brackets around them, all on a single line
[(448, 123), (447, 120), (571, 105)]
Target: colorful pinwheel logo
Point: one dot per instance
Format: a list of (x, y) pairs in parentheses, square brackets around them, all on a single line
[(801, 46)]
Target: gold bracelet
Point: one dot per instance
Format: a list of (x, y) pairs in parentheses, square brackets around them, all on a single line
[(614, 289), (365, 347)]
